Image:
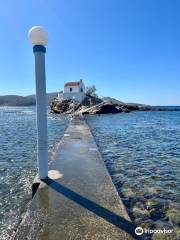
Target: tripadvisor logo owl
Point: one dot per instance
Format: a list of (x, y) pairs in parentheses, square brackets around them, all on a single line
[(139, 231)]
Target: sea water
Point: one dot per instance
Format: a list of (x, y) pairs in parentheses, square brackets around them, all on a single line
[(141, 151), (18, 160)]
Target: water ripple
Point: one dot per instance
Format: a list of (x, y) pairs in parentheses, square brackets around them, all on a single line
[(142, 153), (18, 161)]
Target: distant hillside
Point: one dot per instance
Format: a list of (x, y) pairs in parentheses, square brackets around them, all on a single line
[(15, 100), (113, 100), (138, 104), (49, 97)]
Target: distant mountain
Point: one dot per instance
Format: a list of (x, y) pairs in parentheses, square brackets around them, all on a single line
[(15, 100), (49, 97), (115, 101), (138, 104)]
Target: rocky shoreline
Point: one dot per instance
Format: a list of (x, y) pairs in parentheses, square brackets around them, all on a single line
[(94, 105)]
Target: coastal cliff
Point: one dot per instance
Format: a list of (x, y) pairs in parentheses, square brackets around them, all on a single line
[(94, 105)]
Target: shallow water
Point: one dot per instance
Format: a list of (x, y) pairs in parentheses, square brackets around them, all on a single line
[(140, 149), (18, 160), (142, 153)]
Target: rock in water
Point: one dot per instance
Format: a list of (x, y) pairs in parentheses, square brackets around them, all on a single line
[(65, 106), (95, 105), (108, 108)]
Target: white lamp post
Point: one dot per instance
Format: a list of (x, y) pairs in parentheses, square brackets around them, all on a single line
[(73, 104), (39, 38)]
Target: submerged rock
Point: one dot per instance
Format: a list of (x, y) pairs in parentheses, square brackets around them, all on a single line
[(156, 214), (148, 224), (174, 217), (127, 192), (140, 213), (152, 204)]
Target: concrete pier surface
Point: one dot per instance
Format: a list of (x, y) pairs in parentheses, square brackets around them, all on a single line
[(78, 201)]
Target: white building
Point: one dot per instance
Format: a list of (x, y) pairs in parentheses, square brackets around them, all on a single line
[(73, 90)]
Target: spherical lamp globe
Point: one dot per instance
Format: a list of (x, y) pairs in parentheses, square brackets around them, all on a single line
[(38, 36)]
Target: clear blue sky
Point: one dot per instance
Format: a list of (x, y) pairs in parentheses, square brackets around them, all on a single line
[(130, 49)]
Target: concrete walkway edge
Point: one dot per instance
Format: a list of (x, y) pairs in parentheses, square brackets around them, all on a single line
[(78, 200)]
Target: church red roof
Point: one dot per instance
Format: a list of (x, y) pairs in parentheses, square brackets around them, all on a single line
[(69, 84)]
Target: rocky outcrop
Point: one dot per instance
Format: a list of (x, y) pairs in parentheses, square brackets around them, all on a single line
[(95, 105), (104, 108), (89, 106), (66, 106), (90, 101)]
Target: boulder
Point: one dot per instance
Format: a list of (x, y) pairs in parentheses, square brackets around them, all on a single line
[(174, 217), (108, 108), (65, 106), (96, 105)]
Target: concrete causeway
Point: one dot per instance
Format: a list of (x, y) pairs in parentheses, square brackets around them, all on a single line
[(78, 201)]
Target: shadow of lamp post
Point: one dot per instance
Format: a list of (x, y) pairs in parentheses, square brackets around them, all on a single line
[(39, 38)]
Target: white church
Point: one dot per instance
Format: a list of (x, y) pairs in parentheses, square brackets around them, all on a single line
[(73, 90)]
